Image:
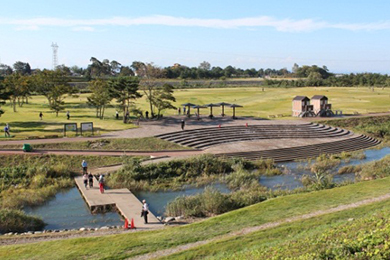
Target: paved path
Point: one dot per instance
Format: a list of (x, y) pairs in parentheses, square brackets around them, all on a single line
[(108, 153), (126, 203)]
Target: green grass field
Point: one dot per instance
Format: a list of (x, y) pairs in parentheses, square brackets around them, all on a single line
[(132, 244), (273, 101)]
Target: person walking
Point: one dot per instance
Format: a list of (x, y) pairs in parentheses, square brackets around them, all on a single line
[(145, 211), (117, 114), (84, 164), (40, 115), (67, 115), (101, 183), (6, 131), (179, 111), (183, 123), (85, 180), (90, 180)]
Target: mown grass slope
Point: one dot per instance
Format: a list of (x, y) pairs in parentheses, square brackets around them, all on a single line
[(132, 244)]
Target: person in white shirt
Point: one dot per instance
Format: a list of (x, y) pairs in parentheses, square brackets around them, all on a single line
[(145, 211), (84, 165)]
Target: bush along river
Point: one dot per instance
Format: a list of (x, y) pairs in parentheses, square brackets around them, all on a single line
[(295, 170), (67, 210)]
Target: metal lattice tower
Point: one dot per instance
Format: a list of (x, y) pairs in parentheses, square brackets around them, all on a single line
[(55, 58)]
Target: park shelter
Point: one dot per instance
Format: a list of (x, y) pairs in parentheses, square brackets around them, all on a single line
[(211, 105), (223, 104), (234, 109), (197, 107), (301, 107), (188, 105)]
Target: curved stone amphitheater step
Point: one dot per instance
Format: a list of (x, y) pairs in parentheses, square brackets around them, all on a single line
[(205, 137), (307, 151)]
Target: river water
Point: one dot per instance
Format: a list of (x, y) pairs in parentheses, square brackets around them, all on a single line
[(68, 210)]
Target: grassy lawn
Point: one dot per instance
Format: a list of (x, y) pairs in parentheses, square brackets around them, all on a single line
[(25, 122), (272, 101), (127, 245), (295, 239), (123, 144)]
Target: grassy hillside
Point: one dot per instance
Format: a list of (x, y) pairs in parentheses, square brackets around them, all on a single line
[(132, 244), (361, 233)]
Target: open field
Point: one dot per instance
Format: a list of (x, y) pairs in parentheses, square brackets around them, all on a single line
[(278, 209), (257, 103)]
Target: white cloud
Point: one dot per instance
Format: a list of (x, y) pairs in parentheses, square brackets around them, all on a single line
[(27, 28), (284, 25), (83, 29)]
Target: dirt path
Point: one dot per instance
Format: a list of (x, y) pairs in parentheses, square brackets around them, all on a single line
[(268, 225)]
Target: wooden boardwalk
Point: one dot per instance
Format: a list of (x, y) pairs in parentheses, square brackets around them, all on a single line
[(122, 199)]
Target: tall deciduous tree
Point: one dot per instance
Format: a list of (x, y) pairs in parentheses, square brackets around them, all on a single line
[(149, 74), (58, 93), (163, 97), (5, 70), (46, 81), (124, 90), (22, 67), (4, 95), (14, 85), (100, 96), (204, 66)]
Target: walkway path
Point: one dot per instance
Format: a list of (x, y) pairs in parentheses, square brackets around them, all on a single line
[(107, 153), (125, 202), (264, 226)]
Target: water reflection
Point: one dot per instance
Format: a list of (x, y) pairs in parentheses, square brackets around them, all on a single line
[(68, 210), (295, 170)]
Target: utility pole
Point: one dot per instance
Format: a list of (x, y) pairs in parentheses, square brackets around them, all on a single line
[(55, 58)]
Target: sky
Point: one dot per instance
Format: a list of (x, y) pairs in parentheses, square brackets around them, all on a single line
[(346, 36)]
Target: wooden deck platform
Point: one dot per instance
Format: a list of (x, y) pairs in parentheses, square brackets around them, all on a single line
[(123, 200)]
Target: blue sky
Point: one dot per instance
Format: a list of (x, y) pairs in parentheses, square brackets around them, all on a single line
[(346, 36)]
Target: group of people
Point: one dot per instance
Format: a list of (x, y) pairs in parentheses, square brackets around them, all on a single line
[(67, 115), (88, 178), (88, 182)]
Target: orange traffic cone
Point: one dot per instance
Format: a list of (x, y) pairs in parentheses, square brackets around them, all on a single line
[(246, 124), (132, 226), (219, 126), (126, 224)]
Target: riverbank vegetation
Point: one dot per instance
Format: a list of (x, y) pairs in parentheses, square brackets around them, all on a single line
[(199, 170), (32, 180), (278, 209), (17, 221)]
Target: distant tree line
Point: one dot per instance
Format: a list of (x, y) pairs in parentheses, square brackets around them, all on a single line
[(106, 68), (17, 85), (316, 76)]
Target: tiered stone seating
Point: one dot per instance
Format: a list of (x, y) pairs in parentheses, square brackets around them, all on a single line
[(205, 137), (307, 151)]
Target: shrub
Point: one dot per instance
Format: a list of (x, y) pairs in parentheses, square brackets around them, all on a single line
[(18, 221)]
